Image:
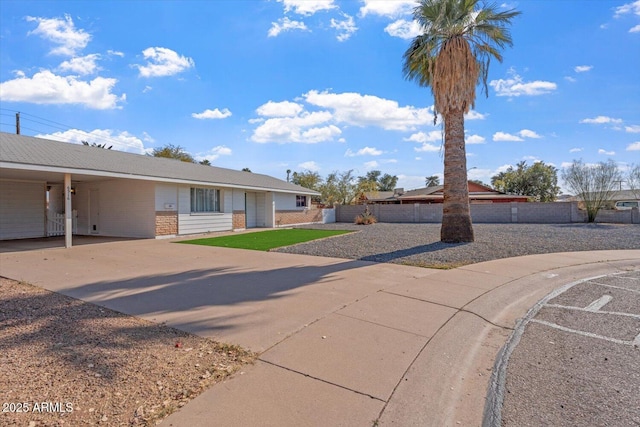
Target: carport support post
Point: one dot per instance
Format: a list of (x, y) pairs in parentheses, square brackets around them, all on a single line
[(68, 220)]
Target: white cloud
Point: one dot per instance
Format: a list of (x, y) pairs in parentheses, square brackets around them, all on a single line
[(212, 114), (61, 32), (601, 120), (147, 89), (583, 68), (326, 133), (371, 165), (632, 128), (526, 133), (285, 24), (367, 110), (345, 28), (147, 138), (82, 65), (214, 153), (404, 29), (307, 7), (474, 139), (387, 8), (279, 109), (121, 141), (422, 137), (629, 8), (303, 128), (570, 79), (633, 7), (366, 151), (47, 88), (427, 148), (516, 86), (310, 166), (474, 115), (115, 53), (608, 153), (635, 146), (575, 150), (503, 136), (163, 62)]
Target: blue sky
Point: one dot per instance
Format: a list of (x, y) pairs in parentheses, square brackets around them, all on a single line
[(316, 85)]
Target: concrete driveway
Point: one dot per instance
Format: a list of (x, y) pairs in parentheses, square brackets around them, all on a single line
[(341, 342)]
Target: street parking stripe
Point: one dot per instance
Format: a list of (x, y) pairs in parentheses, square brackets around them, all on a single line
[(616, 287), (599, 303), (615, 313), (587, 334)]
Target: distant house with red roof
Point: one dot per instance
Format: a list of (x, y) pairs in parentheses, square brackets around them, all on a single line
[(478, 193)]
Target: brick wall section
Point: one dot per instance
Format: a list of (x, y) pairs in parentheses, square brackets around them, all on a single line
[(239, 220), (298, 217), (524, 213), (166, 223)]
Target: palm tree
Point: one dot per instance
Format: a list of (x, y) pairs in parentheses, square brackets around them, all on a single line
[(452, 56), (432, 181)]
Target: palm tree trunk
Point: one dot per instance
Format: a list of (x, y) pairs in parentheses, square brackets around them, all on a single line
[(456, 217)]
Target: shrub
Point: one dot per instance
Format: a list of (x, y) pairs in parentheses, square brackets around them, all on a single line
[(366, 218)]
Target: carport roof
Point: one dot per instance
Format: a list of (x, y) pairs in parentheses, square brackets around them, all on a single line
[(27, 153)]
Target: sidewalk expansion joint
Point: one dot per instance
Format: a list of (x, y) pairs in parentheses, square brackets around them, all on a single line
[(487, 320), (324, 381), (380, 324)]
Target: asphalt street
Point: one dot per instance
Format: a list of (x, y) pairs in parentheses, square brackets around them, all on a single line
[(574, 360)]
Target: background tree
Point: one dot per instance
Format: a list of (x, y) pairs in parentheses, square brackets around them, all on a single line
[(308, 179), (538, 181), (339, 187), (246, 170), (432, 181), (452, 56), (171, 151), (95, 144), (387, 182), (633, 180), (375, 181), (593, 184), (205, 162)]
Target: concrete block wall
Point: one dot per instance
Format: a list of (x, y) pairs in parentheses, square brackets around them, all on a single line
[(491, 213), (166, 223), (541, 213)]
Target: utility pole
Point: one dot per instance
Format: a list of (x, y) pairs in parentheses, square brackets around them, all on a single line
[(17, 123)]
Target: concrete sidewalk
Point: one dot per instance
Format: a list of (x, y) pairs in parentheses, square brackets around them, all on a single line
[(342, 342)]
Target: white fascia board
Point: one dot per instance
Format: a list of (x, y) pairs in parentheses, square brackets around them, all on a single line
[(90, 172)]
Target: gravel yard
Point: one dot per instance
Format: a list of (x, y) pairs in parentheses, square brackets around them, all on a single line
[(419, 244), (64, 362)]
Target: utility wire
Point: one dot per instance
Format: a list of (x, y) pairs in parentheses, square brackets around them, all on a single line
[(60, 126)]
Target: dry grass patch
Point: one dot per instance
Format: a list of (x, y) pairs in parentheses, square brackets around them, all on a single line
[(93, 366)]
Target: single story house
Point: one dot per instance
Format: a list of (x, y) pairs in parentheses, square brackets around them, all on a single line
[(478, 193), (56, 188)]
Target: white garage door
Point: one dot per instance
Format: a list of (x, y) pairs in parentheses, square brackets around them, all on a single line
[(22, 210)]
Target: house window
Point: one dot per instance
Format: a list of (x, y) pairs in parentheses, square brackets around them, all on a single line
[(205, 200), (301, 201)]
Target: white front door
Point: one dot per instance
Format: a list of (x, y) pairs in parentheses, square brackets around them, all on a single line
[(94, 211), (251, 209)]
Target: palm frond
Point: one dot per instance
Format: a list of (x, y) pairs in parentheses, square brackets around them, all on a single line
[(478, 35)]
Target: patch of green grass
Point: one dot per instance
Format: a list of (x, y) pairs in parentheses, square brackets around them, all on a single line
[(266, 240)]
